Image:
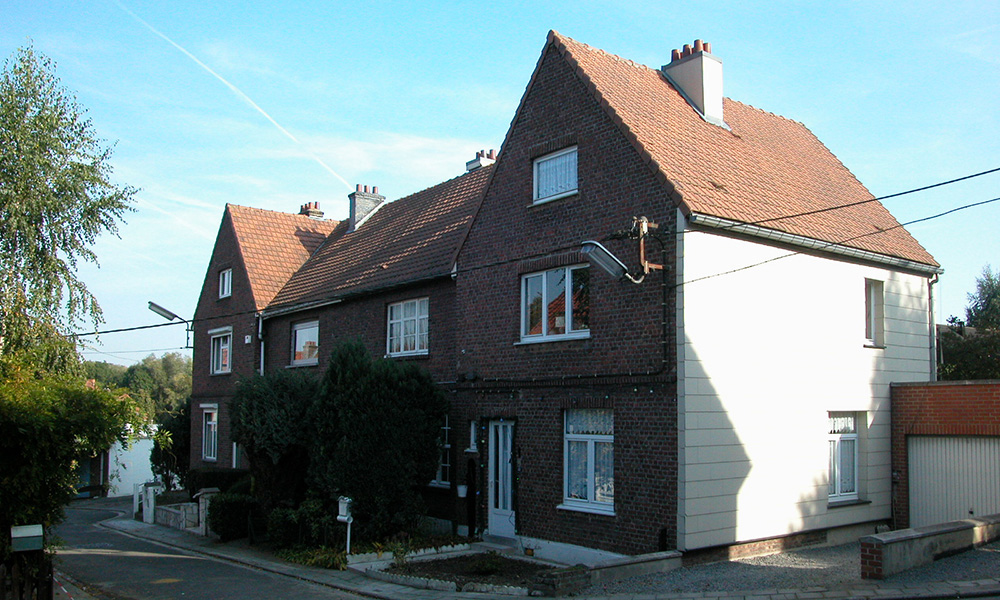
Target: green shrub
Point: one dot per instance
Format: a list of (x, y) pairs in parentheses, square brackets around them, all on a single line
[(283, 527), (224, 479), (322, 557), (229, 515), (243, 485)]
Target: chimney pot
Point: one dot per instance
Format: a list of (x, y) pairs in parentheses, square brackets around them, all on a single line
[(492, 155), (708, 47), (374, 189), (698, 46), (675, 55), (357, 188), (362, 202)]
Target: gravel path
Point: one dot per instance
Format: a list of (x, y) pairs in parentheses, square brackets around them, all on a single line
[(830, 567)]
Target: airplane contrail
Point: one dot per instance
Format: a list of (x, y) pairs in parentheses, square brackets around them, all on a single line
[(235, 90)]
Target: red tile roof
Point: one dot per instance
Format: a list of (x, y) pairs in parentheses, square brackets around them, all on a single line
[(411, 239), (274, 245), (765, 167)]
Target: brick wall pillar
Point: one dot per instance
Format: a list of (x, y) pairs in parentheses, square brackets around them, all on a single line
[(871, 559)]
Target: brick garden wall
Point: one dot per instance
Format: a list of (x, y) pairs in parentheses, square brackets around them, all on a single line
[(939, 408)]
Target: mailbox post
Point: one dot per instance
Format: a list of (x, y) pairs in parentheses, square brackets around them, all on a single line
[(344, 516), (27, 541)]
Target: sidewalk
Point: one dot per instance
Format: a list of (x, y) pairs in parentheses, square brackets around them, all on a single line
[(243, 553)]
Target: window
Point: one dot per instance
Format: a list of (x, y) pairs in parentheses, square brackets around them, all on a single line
[(210, 433), (555, 175), (305, 343), (874, 313), (222, 341), (843, 456), (473, 443), (545, 312), (589, 436), (407, 330), (225, 283), (443, 476)]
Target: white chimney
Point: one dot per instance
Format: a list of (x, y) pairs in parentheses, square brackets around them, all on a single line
[(483, 159), (697, 75), (363, 204)]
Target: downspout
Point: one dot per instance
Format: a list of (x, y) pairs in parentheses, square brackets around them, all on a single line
[(933, 328), (260, 336)]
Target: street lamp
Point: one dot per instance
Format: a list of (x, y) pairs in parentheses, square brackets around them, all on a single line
[(172, 316), (596, 254)]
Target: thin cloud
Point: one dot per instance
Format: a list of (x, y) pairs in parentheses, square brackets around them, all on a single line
[(234, 89)]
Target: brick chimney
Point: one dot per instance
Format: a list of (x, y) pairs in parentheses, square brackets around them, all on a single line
[(697, 75), (482, 159), (311, 210), (363, 204)]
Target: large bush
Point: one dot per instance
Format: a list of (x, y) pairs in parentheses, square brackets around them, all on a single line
[(378, 428), (170, 457), (229, 515), (269, 416)]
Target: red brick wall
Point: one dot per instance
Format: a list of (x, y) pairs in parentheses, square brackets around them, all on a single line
[(213, 312), (940, 408), (534, 383)]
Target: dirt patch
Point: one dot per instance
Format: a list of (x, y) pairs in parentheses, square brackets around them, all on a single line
[(490, 567)]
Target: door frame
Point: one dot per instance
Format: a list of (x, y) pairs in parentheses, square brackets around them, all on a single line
[(500, 514)]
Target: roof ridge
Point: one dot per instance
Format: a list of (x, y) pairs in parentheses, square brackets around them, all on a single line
[(767, 112), (278, 212)]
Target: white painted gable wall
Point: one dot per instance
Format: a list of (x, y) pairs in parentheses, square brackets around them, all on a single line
[(764, 355)]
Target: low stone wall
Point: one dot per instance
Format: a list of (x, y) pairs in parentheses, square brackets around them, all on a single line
[(885, 554), (178, 516)]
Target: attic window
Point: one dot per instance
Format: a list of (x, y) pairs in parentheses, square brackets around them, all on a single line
[(225, 283), (555, 175)]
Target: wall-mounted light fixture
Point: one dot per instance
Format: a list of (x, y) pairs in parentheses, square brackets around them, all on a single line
[(172, 316), (597, 255)]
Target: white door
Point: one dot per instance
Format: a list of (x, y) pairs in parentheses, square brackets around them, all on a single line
[(952, 478), (501, 512)]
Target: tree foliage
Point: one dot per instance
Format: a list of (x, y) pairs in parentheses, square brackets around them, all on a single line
[(269, 419), (162, 385), (170, 457), (970, 349), (46, 425), (56, 198), (379, 426)]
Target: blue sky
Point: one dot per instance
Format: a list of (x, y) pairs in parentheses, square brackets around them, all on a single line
[(273, 105)]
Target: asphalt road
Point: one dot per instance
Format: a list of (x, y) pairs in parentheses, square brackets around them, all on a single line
[(122, 567)]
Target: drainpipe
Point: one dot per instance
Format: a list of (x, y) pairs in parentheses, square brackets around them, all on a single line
[(260, 336), (933, 328)]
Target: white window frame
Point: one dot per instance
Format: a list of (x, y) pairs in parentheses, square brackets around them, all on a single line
[(396, 327), (538, 165), (570, 333), (838, 443), (589, 504), (225, 283), (874, 313), (473, 434), (210, 432), (221, 348), (296, 328), (442, 478)]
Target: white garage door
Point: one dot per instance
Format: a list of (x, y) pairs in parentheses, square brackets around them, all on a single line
[(953, 477)]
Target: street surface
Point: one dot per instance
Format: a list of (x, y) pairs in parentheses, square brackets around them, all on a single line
[(123, 567)]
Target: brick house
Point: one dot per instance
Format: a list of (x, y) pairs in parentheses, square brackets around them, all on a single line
[(732, 387)]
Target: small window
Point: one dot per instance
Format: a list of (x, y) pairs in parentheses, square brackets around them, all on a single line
[(210, 434), (407, 331), (874, 313), (225, 283), (443, 476), (222, 342), (555, 175), (305, 343), (473, 442), (588, 450), (546, 314), (843, 456)]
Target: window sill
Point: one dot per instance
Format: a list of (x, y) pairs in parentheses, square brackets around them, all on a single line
[(541, 201), (206, 459), (219, 374), (300, 365), (473, 450), (594, 510), (583, 335), (440, 485), (874, 346), (845, 503), (423, 354)]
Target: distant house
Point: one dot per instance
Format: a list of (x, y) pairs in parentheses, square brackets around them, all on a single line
[(739, 393)]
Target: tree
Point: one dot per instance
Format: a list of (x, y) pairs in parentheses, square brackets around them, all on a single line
[(269, 416), (983, 311), (170, 457), (161, 384), (46, 425), (378, 437), (56, 198), (970, 349)]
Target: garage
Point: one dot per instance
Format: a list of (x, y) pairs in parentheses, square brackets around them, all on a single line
[(952, 477)]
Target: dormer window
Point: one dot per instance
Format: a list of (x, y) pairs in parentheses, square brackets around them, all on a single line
[(225, 283), (555, 176)]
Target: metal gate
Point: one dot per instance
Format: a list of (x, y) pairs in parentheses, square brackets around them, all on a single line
[(953, 477)]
